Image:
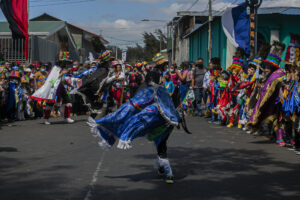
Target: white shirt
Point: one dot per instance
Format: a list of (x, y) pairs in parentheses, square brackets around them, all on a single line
[(206, 80)]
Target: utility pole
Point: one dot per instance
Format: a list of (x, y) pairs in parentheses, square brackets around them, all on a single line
[(172, 32), (253, 5), (210, 19), (116, 52), (160, 43)]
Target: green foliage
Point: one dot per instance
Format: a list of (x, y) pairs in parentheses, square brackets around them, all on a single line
[(152, 44)]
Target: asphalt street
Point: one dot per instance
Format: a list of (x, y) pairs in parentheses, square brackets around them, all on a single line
[(62, 161)]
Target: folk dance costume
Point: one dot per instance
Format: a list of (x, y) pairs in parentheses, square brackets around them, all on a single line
[(94, 85), (150, 113), (13, 88), (256, 87), (290, 104), (291, 109), (214, 89), (268, 107), (243, 97), (228, 106), (22, 100), (54, 91), (39, 79)]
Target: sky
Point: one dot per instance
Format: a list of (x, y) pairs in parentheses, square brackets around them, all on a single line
[(119, 21)]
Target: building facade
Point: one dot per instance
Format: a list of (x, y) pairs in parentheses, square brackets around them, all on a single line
[(273, 24)]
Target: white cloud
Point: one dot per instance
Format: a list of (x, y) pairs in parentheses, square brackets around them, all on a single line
[(121, 29), (131, 30), (281, 3)]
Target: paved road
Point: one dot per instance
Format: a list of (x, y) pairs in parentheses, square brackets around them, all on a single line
[(61, 161)]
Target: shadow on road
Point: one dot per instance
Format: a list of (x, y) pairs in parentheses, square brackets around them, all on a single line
[(213, 173), (48, 183), (8, 149)]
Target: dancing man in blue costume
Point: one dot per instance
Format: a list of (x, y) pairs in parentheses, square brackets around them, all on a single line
[(150, 113)]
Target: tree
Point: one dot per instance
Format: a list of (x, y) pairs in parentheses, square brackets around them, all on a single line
[(135, 54), (152, 44)]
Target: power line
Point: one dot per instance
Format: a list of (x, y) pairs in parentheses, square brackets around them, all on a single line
[(193, 5)]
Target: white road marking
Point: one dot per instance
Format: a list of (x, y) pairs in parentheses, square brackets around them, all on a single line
[(88, 196)]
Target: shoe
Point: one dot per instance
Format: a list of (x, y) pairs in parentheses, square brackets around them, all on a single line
[(297, 152), (169, 179), (160, 171), (211, 121), (281, 144), (292, 149), (256, 133), (244, 129), (249, 132), (47, 122), (240, 126), (218, 122), (69, 121), (230, 125)]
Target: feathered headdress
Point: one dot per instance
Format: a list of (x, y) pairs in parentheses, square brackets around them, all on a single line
[(65, 56), (238, 61), (105, 56), (159, 59), (261, 55), (274, 58)]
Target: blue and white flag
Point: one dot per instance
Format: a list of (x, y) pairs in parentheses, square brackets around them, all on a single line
[(236, 26)]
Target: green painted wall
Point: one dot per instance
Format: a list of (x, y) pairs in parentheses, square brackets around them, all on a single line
[(286, 24), (199, 43)]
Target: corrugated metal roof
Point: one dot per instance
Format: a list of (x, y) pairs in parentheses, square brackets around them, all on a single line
[(261, 11), (200, 13), (279, 10), (35, 26)]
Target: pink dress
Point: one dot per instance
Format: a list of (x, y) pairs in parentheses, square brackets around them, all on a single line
[(174, 78), (182, 73)]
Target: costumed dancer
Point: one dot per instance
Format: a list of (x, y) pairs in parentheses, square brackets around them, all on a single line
[(290, 103), (39, 79), (268, 107), (135, 80), (227, 105), (93, 90), (252, 87), (150, 113), (54, 91), (295, 100), (13, 85), (23, 92), (214, 88), (117, 79)]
